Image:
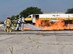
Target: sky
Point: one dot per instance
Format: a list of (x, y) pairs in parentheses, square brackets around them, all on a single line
[(14, 7)]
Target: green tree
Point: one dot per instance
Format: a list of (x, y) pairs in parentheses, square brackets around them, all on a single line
[(12, 17), (17, 16), (69, 10), (30, 10)]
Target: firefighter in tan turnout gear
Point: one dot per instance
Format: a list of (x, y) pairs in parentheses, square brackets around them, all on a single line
[(8, 24)]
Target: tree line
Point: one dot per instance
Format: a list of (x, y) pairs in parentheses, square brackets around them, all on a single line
[(35, 10)]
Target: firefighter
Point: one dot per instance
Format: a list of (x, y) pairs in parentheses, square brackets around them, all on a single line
[(22, 23), (8, 24), (5, 25)]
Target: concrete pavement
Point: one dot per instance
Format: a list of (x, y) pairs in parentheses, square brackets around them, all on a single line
[(37, 42)]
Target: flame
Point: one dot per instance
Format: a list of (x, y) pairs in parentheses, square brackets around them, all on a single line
[(69, 26), (38, 22), (47, 25), (26, 28)]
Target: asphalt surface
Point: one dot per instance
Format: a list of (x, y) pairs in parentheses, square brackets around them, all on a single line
[(36, 42)]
